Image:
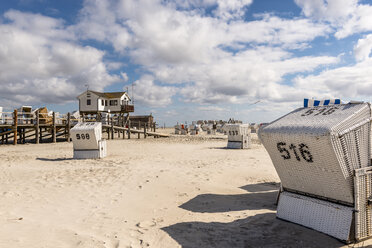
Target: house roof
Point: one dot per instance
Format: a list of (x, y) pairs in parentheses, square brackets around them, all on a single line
[(107, 94)]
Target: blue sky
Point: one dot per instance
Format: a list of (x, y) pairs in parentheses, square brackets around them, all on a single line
[(187, 59)]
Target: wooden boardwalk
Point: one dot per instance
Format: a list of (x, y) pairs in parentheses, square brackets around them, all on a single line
[(41, 129)]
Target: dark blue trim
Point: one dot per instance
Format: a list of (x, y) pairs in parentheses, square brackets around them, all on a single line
[(306, 103)]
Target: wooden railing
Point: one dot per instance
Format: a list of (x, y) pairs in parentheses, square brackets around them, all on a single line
[(127, 108)]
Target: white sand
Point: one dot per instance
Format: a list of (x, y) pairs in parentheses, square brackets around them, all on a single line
[(187, 192)]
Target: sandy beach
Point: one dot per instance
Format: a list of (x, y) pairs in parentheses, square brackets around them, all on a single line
[(172, 192)]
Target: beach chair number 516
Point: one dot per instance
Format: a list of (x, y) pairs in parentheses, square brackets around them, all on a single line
[(318, 111), (82, 136), (302, 148)]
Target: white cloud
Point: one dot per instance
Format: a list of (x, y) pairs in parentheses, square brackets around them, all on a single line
[(348, 17), (363, 48), (345, 82), (124, 76), (361, 21), (148, 93), (330, 10), (98, 22), (231, 9), (219, 60), (41, 63)]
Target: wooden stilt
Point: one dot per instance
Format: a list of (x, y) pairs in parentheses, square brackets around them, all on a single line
[(68, 126), (144, 131), (15, 127), (37, 128), (128, 129), (112, 128), (54, 128), (139, 128), (41, 135)]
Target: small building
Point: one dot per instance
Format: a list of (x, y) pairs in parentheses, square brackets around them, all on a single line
[(93, 102), (140, 120)]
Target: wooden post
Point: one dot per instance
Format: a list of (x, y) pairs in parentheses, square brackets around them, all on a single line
[(154, 127), (118, 124), (128, 129), (15, 126), (112, 127), (54, 128), (41, 134), (144, 131), (108, 123), (68, 127), (37, 127), (139, 128)]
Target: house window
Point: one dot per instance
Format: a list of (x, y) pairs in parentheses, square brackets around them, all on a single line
[(103, 102), (113, 102), (88, 102)]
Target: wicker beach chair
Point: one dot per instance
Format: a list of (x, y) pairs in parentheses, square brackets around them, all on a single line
[(322, 156), (238, 136)]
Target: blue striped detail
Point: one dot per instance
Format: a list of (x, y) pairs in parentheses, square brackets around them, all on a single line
[(326, 102), (316, 103), (306, 103), (337, 101)]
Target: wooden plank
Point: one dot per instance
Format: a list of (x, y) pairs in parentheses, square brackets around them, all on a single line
[(137, 131)]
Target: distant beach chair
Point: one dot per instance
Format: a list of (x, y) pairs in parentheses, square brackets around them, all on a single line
[(238, 136)]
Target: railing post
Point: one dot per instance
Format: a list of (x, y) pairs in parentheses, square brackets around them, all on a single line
[(144, 131), (112, 128), (139, 128), (68, 127), (54, 128), (128, 129), (15, 126), (37, 127)]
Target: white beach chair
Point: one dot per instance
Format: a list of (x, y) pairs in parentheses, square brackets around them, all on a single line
[(87, 140), (238, 136), (322, 156)]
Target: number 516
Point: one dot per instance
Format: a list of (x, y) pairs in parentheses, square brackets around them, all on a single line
[(303, 150)]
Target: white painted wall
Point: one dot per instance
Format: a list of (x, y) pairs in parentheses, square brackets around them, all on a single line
[(93, 102)]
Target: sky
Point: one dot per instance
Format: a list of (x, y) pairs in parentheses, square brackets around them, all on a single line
[(184, 60)]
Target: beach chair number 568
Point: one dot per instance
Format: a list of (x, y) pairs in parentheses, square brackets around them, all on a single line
[(82, 136), (302, 148)]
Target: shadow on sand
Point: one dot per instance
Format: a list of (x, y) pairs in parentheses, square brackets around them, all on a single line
[(260, 230), (54, 159)]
